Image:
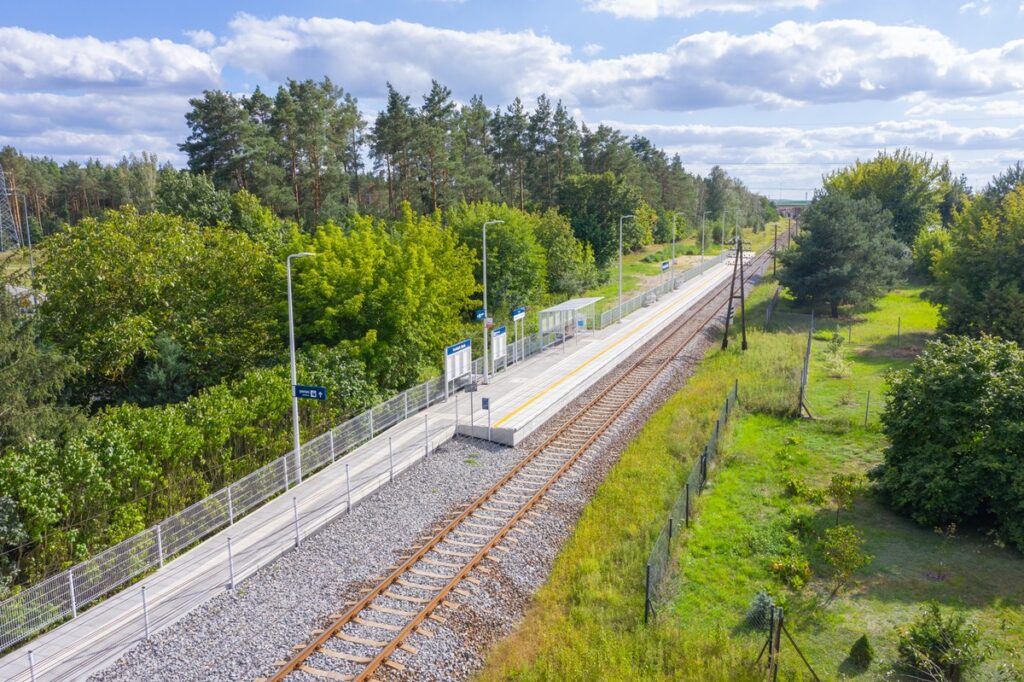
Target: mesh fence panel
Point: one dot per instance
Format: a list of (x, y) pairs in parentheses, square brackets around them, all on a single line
[(114, 567), (682, 508), (34, 608)]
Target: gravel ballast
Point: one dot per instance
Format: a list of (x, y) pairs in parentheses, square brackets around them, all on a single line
[(238, 635)]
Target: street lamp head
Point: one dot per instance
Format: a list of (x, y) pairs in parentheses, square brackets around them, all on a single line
[(494, 222)]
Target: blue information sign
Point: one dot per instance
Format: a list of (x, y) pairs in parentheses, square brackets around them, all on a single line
[(519, 313), (478, 314), (486, 403), (461, 345), (311, 392), (664, 265)]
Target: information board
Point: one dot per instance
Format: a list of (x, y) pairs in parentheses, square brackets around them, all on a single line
[(664, 265), (458, 360), (519, 313), (499, 343)]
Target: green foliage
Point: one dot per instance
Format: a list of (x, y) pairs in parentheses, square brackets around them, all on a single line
[(842, 549), (909, 186), (797, 487), (955, 423), (835, 357), (862, 653), (192, 197), (843, 489), (844, 254), (516, 264), (792, 569), (571, 268), (759, 613), (137, 299), (929, 247), (939, 648), (392, 294), (981, 277), (1005, 183), (32, 376), (595, 203)]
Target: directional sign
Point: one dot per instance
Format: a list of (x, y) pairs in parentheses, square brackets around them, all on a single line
[(457, 359), (581, 323), (664, 265), (499, 343), (485, 403), (478, 314), (310, 392), (519, 313)]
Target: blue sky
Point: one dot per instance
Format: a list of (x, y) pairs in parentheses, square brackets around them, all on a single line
[(776, 91)]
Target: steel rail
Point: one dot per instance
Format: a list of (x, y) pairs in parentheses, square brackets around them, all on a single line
[(297, 660)]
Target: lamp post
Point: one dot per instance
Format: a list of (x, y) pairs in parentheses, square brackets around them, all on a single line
[(672, 265), (621, 218), (703, 221), (489, 222), (295, 380)]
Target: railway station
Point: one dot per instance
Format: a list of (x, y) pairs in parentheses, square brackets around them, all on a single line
[(516, 401)]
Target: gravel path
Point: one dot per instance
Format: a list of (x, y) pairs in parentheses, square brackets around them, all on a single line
[(238, 635)]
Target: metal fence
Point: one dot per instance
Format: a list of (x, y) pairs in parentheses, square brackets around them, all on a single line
[(612, 315), (682, 509), (63, 595)]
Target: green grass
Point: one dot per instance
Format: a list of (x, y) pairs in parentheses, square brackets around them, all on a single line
[(586, 622)]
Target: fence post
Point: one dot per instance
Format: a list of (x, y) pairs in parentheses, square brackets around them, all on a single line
[(391, 461), (160, 538), (231, 508), (406, 401), (426, 437), (330, 440), (348, 490), (284, 462), (145, 611), (231, 566), (899, 322), (371, 423), (71, 587), (867, 406), (647, 593), (687, 504), (295, 510), (670, 524), (735, 389), (456, 414), (426, 388)]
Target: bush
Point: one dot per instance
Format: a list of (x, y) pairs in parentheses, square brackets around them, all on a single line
[(929, 245), (797, 487), (836, 363), (955, 423), (939, 648), (793, 569), (842, 548), (861, 653), (759, 613)]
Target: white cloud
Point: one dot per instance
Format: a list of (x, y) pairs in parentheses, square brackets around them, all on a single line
[(39, 61), (789, 64), (361, 56), (652, 9), (201, 38), (982, 7), (591, 49)]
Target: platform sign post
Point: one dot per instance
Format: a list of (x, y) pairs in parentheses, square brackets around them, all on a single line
[(664, 267), (499, 347), (458, 362), (518, 318), (486, 405)]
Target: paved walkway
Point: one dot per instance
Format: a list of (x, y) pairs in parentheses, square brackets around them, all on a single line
[(522, 399)]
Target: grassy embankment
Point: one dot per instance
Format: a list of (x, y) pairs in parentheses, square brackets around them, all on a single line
[(586, 622)]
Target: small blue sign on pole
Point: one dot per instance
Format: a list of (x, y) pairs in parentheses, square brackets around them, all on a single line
[(478, 314), (519, 313), (664, 265), (310, 392), (486, 402)]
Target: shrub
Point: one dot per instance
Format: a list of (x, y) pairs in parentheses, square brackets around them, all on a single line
[(759, 613), (861, 653), (797, 487), (955, 423), (842, 548), (836, 363), (937, 647), (793, 569), (929, 245)]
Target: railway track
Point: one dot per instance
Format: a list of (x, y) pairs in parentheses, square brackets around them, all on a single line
[(426, 584)]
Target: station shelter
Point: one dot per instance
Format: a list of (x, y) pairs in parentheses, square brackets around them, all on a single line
[(567, 320)]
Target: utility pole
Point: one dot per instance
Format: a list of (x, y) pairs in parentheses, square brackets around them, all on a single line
[(10, 235), (737, 269), (775, 246)]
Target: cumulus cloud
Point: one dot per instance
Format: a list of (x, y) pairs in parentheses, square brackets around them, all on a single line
[(201, 38), (982, 7), (789, 64), (32, 61), (361, 56), (652, 9), (591, 49)]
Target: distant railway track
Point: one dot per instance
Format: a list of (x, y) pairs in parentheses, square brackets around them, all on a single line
[(363, 638)]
